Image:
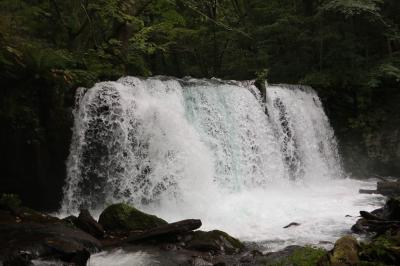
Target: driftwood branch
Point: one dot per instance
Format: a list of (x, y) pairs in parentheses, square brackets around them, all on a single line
[(168, 229)]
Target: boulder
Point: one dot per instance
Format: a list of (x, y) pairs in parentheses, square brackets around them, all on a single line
[(88, 224), (124, 218), (360, 227), (42, 236), (344, 253), (71, 220), (392, 209), (214, 241), (389, 188)]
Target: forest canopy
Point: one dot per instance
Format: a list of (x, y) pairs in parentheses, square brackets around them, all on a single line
[(346, 48), (320, 42)]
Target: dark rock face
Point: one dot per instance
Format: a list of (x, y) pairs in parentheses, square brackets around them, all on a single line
[(388, 188), (87, 223), (391, 210), (32, 235), (122, 217), (381, 220), (384, 226)]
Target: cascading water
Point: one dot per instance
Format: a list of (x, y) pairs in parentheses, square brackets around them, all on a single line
[(188, 148), (307, 141)]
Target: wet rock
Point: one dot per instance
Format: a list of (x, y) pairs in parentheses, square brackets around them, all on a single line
[(214, 241), (71, 220), (370, 216), (344, 253), (18, 259), (360, 227), (380, 220), (87, 223), (172, 229), (42, 236), (122, 217), (389, 188), (392, 209), (291, 225)]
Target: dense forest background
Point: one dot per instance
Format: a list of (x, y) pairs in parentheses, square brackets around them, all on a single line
[(348, 50)]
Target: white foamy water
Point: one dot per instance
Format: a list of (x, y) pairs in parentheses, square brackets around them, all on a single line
[(206, 149), (120, 257)]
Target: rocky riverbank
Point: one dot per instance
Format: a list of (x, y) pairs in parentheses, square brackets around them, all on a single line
[(381, 228), (28, 237)]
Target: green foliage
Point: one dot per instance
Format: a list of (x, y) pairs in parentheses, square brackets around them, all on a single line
[(9, 201), (304, 256), (384, 249)]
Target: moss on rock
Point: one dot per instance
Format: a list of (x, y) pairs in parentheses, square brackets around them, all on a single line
[(215, 241), (345, 252), (122, 217), (385, 249), (297, 256), (306, 256)]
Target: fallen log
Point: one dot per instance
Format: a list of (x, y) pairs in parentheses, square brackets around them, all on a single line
[(291, 224), (368, 191), (168, 229)]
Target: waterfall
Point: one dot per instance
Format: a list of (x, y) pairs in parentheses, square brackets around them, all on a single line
[(214, 150), (144, 141), (307, 141)]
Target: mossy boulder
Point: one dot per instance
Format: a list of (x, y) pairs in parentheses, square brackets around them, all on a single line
[(345, 253), (121, 218), (216, 241)]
